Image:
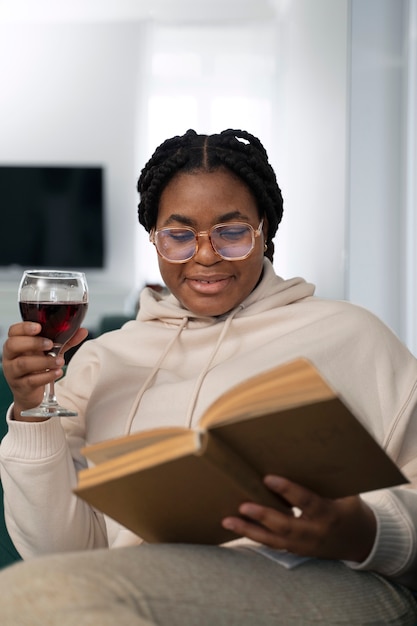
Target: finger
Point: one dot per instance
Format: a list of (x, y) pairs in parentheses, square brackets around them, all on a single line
[(275, 529), (31, 383), (80, 335), (303, 500), (40, 379), (17, 345), (24, 366), (255, 531), (27, 382), (24, 328), (269, 518)]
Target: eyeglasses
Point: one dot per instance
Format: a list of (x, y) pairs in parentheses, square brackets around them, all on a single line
[(233, 241)]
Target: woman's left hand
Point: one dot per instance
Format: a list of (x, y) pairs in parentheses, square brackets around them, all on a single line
[(342, 529)]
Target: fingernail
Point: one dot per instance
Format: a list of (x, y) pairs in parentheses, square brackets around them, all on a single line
[(274, 481), (249, 508), (228, 524)]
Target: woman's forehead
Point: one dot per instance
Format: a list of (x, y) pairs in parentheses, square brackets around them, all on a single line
[(218, 195)]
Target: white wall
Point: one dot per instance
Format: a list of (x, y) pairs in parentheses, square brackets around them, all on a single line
[(206, 77), (70, 93), (286, 81), (311, 141), (376, 227), (409, 135)]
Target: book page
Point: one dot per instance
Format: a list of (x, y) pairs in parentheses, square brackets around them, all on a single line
[(110, 449), (282, 387), (165, 450)]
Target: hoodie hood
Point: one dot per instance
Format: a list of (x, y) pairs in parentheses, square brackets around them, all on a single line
[(271, 292)]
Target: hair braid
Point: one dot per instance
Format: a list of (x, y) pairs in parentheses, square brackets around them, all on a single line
[(237, 150)]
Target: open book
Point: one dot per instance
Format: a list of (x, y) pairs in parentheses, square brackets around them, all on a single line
[(176, 484)]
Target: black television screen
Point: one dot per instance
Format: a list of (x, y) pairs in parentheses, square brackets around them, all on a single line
[(51, 216)]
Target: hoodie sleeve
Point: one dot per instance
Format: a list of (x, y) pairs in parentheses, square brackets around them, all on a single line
[(394, 553), (38, 474), (39, 463)]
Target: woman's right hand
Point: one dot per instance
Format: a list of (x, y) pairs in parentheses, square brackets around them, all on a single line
[(27, 368)]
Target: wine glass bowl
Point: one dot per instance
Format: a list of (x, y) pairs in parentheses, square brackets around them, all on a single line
[(57, 300)]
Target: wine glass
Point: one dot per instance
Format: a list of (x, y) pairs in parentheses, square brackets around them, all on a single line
[(57, 300)]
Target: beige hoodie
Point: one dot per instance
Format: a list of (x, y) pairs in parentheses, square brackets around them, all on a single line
[(167, 366)]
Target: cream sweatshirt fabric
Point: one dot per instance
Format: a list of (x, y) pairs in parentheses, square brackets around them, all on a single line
[(168, 365)]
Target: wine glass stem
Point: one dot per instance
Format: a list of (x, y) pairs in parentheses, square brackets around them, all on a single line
[(50, 394), (49, 398)]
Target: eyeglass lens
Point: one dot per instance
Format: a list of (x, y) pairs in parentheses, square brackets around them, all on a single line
[(230, 241)]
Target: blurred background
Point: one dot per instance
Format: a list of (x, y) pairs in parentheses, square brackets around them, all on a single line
[(88, 89)]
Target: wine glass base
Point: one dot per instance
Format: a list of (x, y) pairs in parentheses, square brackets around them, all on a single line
[(47, 412), (61, 412)]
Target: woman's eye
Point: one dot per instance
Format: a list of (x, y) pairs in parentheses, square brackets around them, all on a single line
[(181, 236), (233, 233)]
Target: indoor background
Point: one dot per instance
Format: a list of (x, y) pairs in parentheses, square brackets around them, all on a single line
[(329, 86)]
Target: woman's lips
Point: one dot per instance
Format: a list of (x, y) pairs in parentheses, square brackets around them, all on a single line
[(208, 284)]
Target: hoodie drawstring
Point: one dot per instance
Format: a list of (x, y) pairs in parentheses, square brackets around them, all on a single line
[(148, 381), (203, 373), (200, 379)]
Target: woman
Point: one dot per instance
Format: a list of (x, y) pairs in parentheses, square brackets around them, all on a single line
[(212, 207)]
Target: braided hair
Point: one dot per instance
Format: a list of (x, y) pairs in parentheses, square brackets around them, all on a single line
[(237, 150)]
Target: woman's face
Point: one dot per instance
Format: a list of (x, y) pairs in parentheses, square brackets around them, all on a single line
[(208, 284)]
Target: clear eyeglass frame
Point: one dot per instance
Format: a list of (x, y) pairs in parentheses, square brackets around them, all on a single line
[(154, 238)]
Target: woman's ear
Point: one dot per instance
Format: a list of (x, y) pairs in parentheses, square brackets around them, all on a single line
[(265, 229), (269, 247)]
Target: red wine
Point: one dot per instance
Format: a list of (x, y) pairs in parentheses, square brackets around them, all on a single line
[(59, 320)]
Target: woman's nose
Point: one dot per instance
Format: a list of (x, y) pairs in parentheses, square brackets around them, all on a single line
[(206, 254)]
